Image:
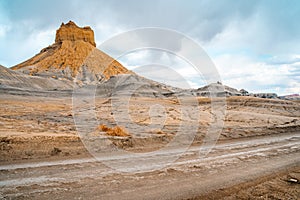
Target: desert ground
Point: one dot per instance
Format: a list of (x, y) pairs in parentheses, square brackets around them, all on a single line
[(43, 156)]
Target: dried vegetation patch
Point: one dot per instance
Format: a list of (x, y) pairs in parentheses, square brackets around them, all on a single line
[(114, 131)]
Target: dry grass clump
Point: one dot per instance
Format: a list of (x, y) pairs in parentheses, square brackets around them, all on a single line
[(115, 131), (103, 127)]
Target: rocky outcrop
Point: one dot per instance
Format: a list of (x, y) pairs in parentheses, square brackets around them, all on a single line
[(71, 32), (73, 55)]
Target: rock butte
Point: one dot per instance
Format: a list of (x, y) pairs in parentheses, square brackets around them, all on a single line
[(72, 32), (74, 48)]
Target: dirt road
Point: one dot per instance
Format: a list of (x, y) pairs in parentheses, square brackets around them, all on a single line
[(229, 163)]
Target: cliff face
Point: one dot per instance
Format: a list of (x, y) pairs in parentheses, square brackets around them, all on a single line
[(71, 32), (73, 53)]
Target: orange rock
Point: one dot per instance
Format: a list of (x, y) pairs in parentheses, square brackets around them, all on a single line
[(72, 32), (74, 47)]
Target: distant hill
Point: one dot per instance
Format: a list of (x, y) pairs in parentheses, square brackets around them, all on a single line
[(135, 85), (222, 90), (290, 97)]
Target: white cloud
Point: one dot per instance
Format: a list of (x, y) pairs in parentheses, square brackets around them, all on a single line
[(104, 31), (244, 72), (163, 67)]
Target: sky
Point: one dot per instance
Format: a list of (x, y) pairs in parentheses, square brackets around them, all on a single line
[(253, 44)]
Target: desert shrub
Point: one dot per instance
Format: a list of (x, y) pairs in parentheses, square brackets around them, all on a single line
[(115, 131)]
